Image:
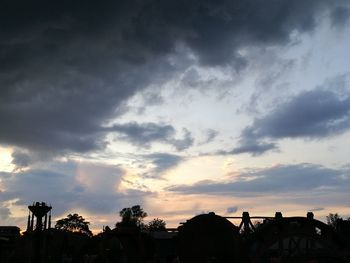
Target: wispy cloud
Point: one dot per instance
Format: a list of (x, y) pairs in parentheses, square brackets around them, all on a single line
[(276, 180), (146, 133), (163, 162)]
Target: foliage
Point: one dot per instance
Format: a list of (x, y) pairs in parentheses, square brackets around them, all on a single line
[(257, 224), (156, 225), (332, 219), (132, 216), (74, 223)]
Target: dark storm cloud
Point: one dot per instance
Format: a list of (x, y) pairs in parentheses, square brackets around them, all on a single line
[(68, 67), (311, 115), (278, 179), (146, 133)]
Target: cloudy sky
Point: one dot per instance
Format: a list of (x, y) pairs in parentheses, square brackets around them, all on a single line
[(180, 106)]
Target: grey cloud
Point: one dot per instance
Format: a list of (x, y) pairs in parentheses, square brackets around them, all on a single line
[(67, 116), (21, 159), (39, 186), (146, 133), (270, 80), (280, 179), (210, 136), (340, 15), (148, 98), (312, 114), (317, 209), (232, 210), (152, 98), (24, 158), (67, 186), (185, 142), (68, 68), (5, 213), (251, 146), (267, 81), (163, 161), (61, 82), (193, 79), (143, 134)]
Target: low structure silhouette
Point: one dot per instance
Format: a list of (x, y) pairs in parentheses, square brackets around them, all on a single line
[(202, 239)]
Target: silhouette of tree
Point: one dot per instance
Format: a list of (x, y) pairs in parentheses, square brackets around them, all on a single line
[(332, 219), (74, 223), (257, 224), (132, 216), (156, 225)]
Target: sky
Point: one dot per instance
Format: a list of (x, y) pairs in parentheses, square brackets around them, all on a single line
[(183, 107)]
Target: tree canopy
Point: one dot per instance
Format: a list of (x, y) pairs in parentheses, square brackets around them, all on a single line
[(132, 216), (74, 223), (332, 219), (156, 225)]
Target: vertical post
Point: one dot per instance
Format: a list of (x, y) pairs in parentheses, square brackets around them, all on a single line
[(246, 223), (45, 221), (39, 224), (28, 222), (310, 243), (49, 226), (279, 216), (245, 218), (32, 223)]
